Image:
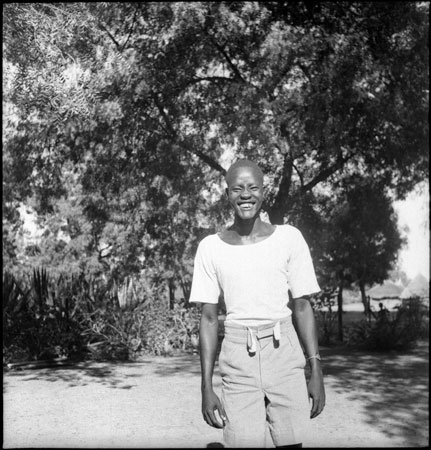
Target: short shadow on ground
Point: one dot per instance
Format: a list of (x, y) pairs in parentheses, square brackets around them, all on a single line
[(110, 373), (183, 365), (78, 374), (393, 386)]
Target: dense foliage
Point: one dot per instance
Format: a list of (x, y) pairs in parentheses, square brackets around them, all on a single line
[(45, 317), (399, 331), (120, 120)]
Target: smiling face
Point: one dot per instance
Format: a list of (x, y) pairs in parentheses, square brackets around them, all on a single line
[(245, 192)]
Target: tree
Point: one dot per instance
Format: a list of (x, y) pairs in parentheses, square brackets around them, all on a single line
[(362, 238), (146, 100)]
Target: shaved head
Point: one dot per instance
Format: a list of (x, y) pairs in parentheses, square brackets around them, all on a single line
[(243, 163)]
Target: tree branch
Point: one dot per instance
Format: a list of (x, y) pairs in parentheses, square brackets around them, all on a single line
[(103, 28), (304, 70), (301, 178), (170, 127), (221, 49), (216, 79), (281, 73), (325, 173), (184, 145), (214, 164), (283, 198), (100, 252), (131, 29), (189, 147)]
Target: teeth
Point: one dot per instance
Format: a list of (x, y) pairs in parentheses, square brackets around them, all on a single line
[(246, 205)]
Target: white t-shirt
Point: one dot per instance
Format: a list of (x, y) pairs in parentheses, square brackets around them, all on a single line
[(255, 278)]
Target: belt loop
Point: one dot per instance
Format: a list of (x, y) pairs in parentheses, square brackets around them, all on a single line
[(277, 331), (251, 341)]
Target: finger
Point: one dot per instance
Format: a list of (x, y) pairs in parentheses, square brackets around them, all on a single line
[(314, 407), (206, 418), (316, 413), (318, 406), (313, 404), (222, 413), (213, 420), (321, 404)]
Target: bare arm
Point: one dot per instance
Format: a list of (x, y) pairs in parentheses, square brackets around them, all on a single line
[(305, 324), (208, 339)]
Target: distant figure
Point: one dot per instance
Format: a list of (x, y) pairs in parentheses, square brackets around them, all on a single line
[(382, 313), (254, 265)]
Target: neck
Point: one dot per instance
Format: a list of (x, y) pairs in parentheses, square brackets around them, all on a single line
[(247, 227)]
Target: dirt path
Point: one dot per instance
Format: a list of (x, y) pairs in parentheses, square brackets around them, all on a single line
[(373, 400)]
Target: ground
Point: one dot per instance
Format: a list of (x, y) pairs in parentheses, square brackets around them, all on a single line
[(373, 400)]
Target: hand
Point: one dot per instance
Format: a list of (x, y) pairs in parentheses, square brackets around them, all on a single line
[(210, 404), (316, 391)]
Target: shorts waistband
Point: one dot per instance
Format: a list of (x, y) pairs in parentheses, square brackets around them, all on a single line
[(251, 334), (284, 322)]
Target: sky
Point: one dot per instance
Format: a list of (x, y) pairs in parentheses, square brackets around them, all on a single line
[(414, 214)]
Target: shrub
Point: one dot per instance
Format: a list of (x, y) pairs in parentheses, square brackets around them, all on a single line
[(69, 316), (326, 318), (391, 333), (110, 333), (170, 331), (148, 328), (36, 324)]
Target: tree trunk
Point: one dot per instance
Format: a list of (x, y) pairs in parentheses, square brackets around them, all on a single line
[(365, 299), (171, 286), (276, 216), (185, 286), (281, 203), (340, 310)]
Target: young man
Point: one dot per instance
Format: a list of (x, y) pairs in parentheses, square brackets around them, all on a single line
[(254, 265)]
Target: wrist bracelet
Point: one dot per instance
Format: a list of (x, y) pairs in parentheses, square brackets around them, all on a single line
[(317, 356)]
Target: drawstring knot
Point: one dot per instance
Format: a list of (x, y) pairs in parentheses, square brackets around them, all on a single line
[(277, 331), (251, 337), (251, 341)]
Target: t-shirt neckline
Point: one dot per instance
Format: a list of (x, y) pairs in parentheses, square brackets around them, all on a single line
[(252, 244)]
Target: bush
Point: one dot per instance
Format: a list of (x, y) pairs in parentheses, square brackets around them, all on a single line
[(171, 331), (391, 333), (110, 333), (80, 316), (326, 318), (115, 333), (32, 327)]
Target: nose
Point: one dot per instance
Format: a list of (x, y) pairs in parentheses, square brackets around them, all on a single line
[(245, 193)]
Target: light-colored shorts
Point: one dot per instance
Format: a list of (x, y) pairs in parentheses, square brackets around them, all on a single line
[(264, 385)]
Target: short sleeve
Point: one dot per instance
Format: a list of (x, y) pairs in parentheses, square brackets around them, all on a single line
[(301, 275), (205, 287)]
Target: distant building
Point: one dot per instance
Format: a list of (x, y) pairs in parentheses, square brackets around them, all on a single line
[(388, 293), (418, 288)]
